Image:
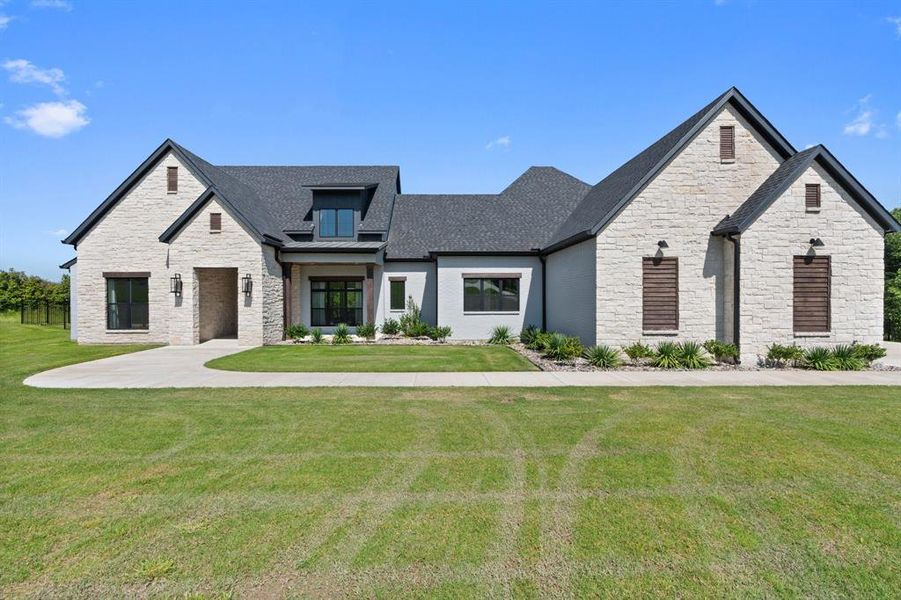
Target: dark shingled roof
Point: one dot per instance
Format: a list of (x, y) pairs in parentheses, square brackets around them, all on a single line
[(519, 219), (787, 173)]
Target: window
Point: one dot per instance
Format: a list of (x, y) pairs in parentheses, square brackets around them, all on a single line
[(126, 303), (334, 301), (215, 222), (812, 303), (398, 294), (336, 222), (812, 196), (490, 294), (727, 142), (660, 294), (172, 179)]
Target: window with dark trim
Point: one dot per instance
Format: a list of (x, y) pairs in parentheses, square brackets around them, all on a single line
[(335, 301), (812, 196), (126, 303), (336, 222), (659, 294), (812, 302), (398, 294), (172, 179), (491, 294), (727, 142), (215, 222)]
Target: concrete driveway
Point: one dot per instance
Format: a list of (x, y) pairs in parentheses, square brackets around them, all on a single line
[(182, 367)]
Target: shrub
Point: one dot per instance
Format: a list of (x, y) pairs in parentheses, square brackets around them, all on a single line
[(869, 352), (419, 329), (390, 327), (411, 321), (539, 343), (721, 351), (604, 357), (316, 336), (820, 359), (440, 333), (367, 331), (528, 334), (297, 332), (342, 334), (667, 356), (501, 335), (637, 351), (562, 347), (691, 356), (779, 355), (846, 358)]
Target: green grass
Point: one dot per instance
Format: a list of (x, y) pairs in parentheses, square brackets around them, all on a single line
[(374, 358), (442, 493)]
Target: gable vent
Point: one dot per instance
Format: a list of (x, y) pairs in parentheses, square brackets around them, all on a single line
[(171, 179), (215, 222), (812, 195), (727, 142)]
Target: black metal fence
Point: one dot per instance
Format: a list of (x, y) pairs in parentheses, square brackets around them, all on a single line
[(45, 313)]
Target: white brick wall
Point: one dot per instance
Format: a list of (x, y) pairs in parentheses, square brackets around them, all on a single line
[(420, 284), (852, 239), (681, 205), (479, 325), (571, 291), (127, 239)]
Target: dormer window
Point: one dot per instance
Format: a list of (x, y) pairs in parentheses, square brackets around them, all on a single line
[(336, 222)]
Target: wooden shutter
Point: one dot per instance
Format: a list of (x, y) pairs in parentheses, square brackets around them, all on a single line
[(171, 179), (660, 294), (727, 142), (216, 222), (812, 302), (812, 195)]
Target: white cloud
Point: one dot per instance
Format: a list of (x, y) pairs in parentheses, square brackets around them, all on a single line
[(4, 21), (896, 21), (57, 4), (862, 124), (898, 119), (501, 142), (51, 119), (23, 71), (58, 232)]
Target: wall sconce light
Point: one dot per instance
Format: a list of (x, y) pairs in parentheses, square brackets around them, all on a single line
[(175, 284), (246, 285), (662, 244), (816, 242)]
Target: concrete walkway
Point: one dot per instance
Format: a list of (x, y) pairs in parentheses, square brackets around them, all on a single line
[(182, 367)]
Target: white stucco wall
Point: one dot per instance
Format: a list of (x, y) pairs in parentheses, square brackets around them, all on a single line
[(571, 291), (479, 325), (127, 240), (681, 205), (852, 239), (259, 315), (420, 284)]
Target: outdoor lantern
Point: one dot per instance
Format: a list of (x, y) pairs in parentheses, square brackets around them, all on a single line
[(816, 242), (662, 244), (246, 284), (175, 284)]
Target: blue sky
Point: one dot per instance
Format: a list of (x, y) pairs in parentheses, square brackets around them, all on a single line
[(463, 96)]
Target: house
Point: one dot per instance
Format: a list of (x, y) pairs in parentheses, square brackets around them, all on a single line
[(719, 229)]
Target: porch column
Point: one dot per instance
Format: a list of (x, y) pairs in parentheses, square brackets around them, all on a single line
[(370, 300), (295, 317)]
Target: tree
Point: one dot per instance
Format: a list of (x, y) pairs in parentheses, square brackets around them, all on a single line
[(17, 287)]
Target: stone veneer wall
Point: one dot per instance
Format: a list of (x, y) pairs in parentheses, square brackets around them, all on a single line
[(852, 239), (681, 205), (127, 239), (218, 302)]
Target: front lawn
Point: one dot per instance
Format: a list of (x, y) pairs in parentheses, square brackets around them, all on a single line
[(371, 358), (451, 493)]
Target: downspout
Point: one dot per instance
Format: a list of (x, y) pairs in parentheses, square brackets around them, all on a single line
[(736, 291), (543, 260)]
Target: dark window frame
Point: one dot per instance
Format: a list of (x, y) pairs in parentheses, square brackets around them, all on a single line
[(331, 313), (122, 313), (402, 284), (488, 302), (336, 223), (172, 180)]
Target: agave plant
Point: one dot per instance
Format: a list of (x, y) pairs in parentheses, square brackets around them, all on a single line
[(667, 356), (691, 356), (528, 334), (316, 336), (820, 359), (342, 334), (501, 335), (603, 357), (562, 347), (846, 358)]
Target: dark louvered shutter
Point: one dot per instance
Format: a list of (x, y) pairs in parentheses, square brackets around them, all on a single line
[(660, 294), (216, 222), (727, 142), (172, 179), (812, 195), (812, 303)]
